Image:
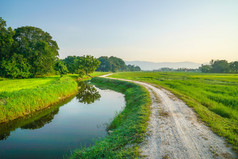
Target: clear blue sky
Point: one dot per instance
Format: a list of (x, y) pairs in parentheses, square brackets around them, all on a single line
[(159, 31)]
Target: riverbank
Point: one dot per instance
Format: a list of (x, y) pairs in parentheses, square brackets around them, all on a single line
[(31, 95), (128, 129), (20, 97)]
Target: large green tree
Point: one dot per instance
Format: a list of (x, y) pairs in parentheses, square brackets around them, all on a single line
[(87, 64), (37, 47), (15, 67), (105, 65), (6, 40), (219, 66), (72, 63), (61, 68)]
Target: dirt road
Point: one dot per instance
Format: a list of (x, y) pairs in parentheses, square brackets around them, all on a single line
[(175, 132)]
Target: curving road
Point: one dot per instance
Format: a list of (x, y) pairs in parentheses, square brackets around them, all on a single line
[(175, 132)]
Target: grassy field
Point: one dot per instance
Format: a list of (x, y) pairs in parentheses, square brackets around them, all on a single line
[(212, 96), (10, 85), (128, 128), (30, 98), (19, 97)]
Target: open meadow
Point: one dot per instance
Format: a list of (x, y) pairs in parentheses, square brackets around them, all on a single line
[(212, 96)]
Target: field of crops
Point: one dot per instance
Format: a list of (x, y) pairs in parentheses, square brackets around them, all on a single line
[(212, 96)]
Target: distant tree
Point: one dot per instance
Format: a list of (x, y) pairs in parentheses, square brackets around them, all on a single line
[(87, 65), (71, 62), (131, 68), (114, 64), (205, 68), (37, 47), (219, 66), (137, 68), (61, 68), (234, 67), (15, 67), (105, 65), (117, 64)]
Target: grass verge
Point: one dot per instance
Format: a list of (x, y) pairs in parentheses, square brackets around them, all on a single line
[(19, 102), (128, 128)]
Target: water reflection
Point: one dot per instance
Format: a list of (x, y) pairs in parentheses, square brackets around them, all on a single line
[(33, 121), (39, 123), (87, 94), (57, 130)]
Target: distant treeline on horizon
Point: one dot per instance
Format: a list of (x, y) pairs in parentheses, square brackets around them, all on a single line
[(220, 66), (215, 66), (107, 64)]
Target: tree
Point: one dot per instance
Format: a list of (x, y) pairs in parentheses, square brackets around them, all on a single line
[(86, 65), (132, 68), (71, 62), (205, 68), (61, 68), (6, 40), (37, 47), (105, 65), (15, 67), (234, 66), (219, 66), (116, 64)]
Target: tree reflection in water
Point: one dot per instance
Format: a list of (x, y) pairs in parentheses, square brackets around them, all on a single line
[(87, 94), (39, 123)]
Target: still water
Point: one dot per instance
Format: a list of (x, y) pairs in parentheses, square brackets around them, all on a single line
[(58, 130)]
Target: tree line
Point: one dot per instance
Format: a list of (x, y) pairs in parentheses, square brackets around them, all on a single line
[(27, 52), (114, 64), (106, 64), (220, 66), (167, 69), (30, 52)]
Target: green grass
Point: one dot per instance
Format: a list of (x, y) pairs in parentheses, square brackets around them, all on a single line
[(29, 97), (128, 128), (10, 85), (94, 74), (212, 96)]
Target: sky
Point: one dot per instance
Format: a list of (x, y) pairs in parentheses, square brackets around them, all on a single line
[(134, 30)]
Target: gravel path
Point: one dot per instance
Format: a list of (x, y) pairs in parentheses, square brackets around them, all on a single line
[(175, 132)]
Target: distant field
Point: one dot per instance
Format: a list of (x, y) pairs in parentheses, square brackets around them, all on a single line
[(213, 96)]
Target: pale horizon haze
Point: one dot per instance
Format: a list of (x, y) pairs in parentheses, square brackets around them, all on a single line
[(134, 30)]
